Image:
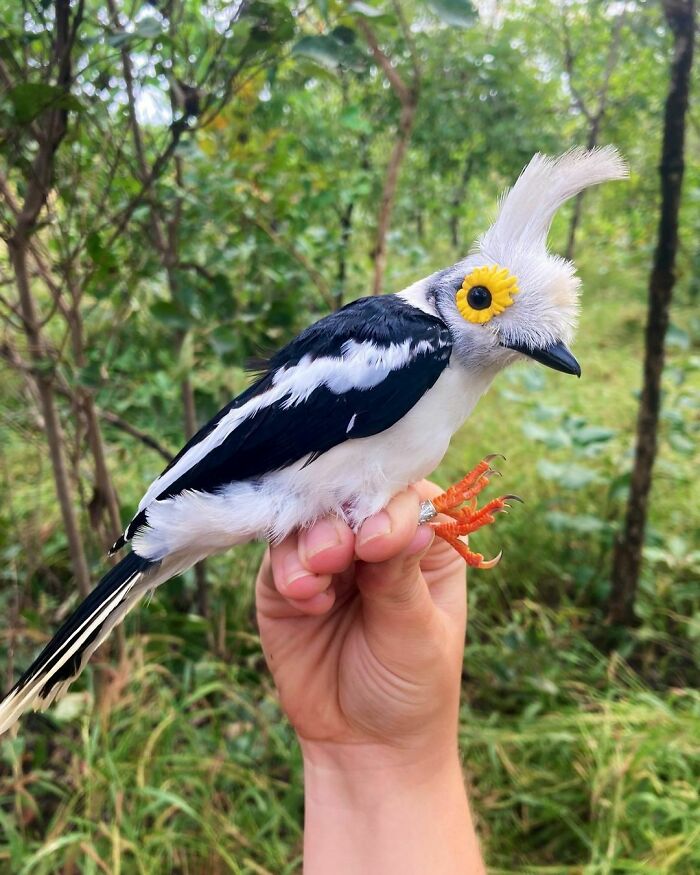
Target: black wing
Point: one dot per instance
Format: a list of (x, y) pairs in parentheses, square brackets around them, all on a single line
[(280, 433)]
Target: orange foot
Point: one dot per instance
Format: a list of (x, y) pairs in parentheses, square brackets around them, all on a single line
[(469, 518)]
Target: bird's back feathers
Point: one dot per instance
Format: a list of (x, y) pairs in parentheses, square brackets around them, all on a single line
[(350, 375)]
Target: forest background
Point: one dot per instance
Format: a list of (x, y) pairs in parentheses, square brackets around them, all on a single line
[(186, 184)]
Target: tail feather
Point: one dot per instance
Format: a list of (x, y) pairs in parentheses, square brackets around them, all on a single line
[(64, 657)]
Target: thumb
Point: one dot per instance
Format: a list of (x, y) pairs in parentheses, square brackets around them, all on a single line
[(396, 603)]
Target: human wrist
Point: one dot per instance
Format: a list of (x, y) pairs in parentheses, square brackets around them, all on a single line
[(365, 773), (382, 811)]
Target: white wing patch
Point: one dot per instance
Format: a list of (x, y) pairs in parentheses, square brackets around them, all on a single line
[(361, 365)]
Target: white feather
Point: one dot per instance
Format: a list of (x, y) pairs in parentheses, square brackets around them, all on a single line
[(108, 614), (527, 210), (360, 366), (354, 479)]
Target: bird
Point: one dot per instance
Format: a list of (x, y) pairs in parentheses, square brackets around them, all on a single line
[(355, 408)]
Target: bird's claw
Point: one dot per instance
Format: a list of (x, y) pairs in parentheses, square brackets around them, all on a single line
[(491, 563), (460, 503)]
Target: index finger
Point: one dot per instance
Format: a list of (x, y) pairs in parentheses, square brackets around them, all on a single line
[(389, 532)]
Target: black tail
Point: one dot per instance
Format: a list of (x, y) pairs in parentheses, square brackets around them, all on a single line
[(64, 657)]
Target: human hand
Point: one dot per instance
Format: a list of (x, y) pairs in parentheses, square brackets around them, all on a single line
[(364, 635)]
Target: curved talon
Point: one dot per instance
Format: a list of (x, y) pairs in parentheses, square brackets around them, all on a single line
[(490, 563), (460, 504)]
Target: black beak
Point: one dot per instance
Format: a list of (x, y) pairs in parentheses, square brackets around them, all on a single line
[(556, 356)]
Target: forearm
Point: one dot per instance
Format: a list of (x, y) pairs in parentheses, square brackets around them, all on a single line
[(379, 816)]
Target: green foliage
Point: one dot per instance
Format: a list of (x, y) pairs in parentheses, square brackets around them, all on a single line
[(334, 50), (579, 761), (458, 13), (30, 99)]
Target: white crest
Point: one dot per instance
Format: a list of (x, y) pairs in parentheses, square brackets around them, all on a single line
[(526, 210)]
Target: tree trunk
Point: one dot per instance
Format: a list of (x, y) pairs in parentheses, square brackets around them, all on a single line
[(680, 15), (50, 134), (408, 98), (190, 423), (52, 424), (591, 143), (105, 497), (457, 200), (408, 111), (104, 500), (345, 234), (595, 118), (420, 224)]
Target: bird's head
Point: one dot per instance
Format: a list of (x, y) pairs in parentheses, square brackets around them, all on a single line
[(510, 296)]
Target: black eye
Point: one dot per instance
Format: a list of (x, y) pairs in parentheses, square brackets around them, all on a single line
[(479, 297)]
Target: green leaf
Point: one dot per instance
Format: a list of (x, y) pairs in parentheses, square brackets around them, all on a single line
[(30, 99), (352, 119), (331, 51), (271, 23), (681, 443), (365, 10), (584, 524), (676, 336), (169, 314), (592, 434), (149, 27), (344, 35), (320, 49), (118, 39), (90, 375), (224, 340), (567, 475), (458, 13), (554, 438)]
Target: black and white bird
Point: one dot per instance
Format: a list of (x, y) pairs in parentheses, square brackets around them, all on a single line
[(358, 406)]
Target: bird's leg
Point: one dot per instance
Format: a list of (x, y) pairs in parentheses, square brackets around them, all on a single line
[(460, 503)]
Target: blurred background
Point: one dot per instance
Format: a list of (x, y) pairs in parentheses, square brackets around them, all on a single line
[(186, 184)]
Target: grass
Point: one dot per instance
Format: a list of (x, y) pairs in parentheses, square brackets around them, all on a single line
[(580, 760)]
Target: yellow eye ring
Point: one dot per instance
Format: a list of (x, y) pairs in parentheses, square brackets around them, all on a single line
[(496, 282)]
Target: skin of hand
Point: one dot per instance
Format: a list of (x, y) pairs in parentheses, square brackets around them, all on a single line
[(364, 636)]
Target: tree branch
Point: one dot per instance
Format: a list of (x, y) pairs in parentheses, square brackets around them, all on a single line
[(398, 85), (569, 61), (15, 360), (408, 97)]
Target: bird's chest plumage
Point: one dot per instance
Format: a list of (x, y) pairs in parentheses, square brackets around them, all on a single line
[(360, 476), (354, 479)]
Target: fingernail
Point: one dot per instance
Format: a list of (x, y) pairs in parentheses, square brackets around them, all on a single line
[(294, 572), (377, 526), (321, 536)]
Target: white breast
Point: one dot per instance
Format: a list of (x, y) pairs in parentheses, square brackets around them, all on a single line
[(353, 480)]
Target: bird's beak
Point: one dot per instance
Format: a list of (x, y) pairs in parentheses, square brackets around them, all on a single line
[(557, 356)]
